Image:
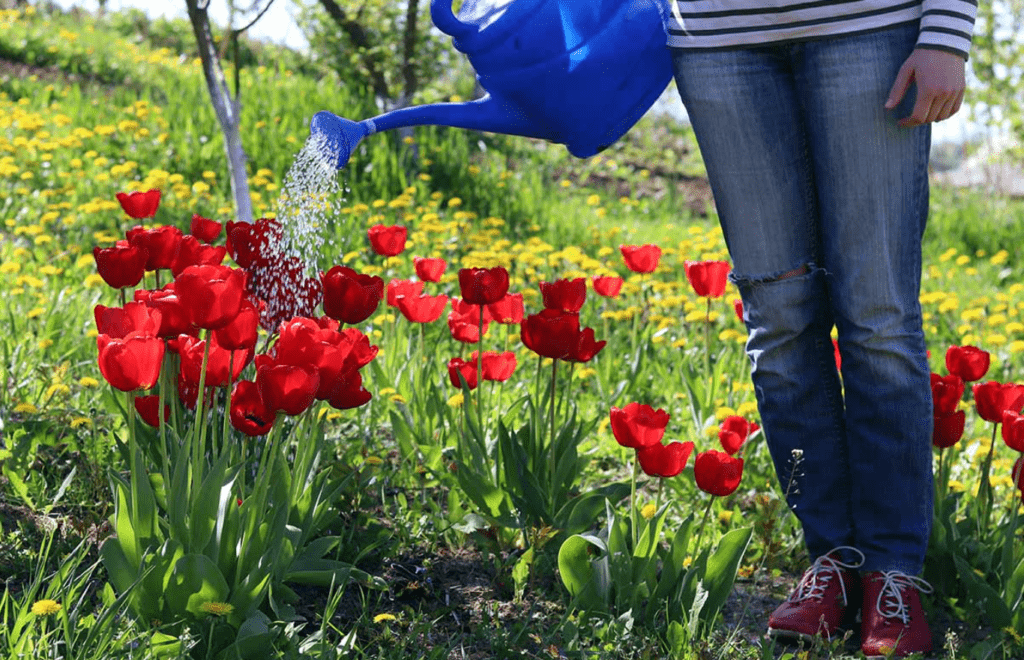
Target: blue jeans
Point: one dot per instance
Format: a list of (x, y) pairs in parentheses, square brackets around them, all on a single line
[(823, 200)]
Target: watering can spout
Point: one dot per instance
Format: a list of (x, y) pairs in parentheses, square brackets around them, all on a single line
[(337, 137)]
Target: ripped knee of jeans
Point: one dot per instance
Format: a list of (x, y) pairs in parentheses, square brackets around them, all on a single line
[(775, 277)]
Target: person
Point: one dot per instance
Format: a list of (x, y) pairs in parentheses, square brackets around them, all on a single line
[(813, 120)]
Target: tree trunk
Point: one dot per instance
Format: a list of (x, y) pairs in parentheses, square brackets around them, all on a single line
[(226, 107)]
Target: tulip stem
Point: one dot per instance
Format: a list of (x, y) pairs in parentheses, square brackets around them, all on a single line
[(199, 454), (227, 405), (132, 450), (162, 420), (479, 374), (707, 346), (703, 524), (552, 460), (632, 502), (985, 487)]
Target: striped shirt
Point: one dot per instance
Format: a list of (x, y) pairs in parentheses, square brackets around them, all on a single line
[(706, 24)]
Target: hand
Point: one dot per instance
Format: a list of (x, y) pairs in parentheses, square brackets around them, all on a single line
[(940, 86)]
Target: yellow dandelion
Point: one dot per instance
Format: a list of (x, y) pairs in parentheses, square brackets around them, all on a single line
[(26, 408), (217, 608), (456, 400), (373, 460), (88, 381), (35, 312), (593, 200), (80, 421), (384, 617), (648, 511), (57, 389), (46, 607)]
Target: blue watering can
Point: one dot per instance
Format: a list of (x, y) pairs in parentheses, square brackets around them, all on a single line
[(576, 72)]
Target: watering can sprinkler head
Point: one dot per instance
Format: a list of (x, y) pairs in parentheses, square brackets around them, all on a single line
[(338, 136)]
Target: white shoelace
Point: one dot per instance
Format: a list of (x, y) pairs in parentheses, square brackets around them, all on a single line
[(816, 578), (893, 606)]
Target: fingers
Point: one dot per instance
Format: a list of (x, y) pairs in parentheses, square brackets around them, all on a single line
[(937, 108), (940, 86), (900, 86)]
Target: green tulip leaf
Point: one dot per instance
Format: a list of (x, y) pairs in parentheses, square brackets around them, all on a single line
[(584, 580), (984, 596), (720, 574), (195, 582)]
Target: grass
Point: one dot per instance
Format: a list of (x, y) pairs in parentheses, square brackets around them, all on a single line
[(91, 112)]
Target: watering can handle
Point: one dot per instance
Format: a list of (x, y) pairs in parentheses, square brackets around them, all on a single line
[(445, 20)]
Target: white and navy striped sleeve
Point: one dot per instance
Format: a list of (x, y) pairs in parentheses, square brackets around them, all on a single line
[(948, 25)]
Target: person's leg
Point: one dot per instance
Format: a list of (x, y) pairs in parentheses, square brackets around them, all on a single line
[(745, 110), (872, 192)]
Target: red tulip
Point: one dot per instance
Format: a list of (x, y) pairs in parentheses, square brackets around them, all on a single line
[(387, 241), (717, 473), (992, 399), (564, 295), (298, 343), (403, 288), (483, 286), (255, 244), (148, 408), (211, 294), (968, 362), (551, 333), (429, 270), (193, 253), (508, 310), (350, 393), (140, 205), (284, 387), (946, 393), (464, 321), (351, 297), (1013, 430), (641, 258), (1017, 474), (737, 306), (638, 425), (422, 309), (467, 368), (221, 364), (735, 431), (664, 461), (174, 318), (248, 412), (948, 428), (118, 322), (243, 331), (708, 278), (497, 366), (467, 333), (344, 353), (607, 286), (122, 265), (585, 347), (204, 229), (132, 363), (355, 346), (161, 244)]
